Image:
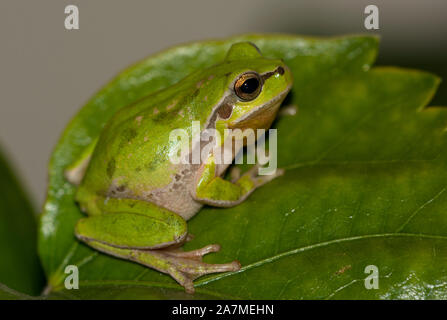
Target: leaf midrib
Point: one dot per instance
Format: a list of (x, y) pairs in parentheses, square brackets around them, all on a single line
[(315, 246), (15, 293)]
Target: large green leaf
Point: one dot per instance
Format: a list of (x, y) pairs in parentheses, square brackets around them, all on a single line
[(364, 185), (19, 264)]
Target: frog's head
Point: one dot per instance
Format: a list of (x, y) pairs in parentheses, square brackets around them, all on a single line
[(256, 86)]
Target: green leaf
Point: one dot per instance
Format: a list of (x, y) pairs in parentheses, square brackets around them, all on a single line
[(10, 294), (364, 185), (19, 267)]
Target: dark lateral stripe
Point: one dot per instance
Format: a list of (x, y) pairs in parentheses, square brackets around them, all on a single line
[(279, 70)]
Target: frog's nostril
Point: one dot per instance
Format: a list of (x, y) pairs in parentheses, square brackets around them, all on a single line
[(280, 70)]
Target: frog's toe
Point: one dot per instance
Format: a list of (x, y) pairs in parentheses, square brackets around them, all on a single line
[(185, 271), (195, 269), (186, 266), (195, 254), (183, 279), (186, 274), (259, 180)]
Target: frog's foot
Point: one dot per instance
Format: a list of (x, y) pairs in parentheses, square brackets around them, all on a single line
[(259, 180), (253, 174), (183, 266), (186, 266), (219, 192)]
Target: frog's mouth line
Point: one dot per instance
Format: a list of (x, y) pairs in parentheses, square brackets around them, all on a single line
[(267, 110)]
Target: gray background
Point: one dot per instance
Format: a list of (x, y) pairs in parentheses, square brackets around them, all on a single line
[(47, 73)]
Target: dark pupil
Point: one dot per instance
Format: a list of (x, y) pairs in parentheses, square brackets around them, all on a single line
[(250, 85)]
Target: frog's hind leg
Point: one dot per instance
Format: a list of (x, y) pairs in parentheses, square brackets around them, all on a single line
[(141, 232), (184, 267)]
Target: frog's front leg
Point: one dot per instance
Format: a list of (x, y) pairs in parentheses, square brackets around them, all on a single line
[(141, 232), (213, 190)]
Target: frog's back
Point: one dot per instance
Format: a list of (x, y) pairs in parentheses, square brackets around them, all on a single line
[(132, 156)]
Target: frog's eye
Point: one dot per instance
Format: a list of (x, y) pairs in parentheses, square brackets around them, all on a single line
[(248, 86)]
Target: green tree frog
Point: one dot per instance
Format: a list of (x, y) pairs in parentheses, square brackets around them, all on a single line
[(137, 201)]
